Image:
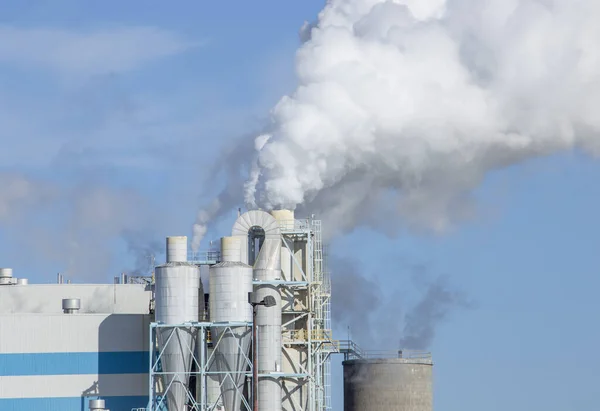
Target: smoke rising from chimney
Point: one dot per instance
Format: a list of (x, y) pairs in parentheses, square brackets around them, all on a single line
[(414, 102), (433, 307), (362, 303)]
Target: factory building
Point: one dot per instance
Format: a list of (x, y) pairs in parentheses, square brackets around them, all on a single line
[(62, 345), (168, 342)]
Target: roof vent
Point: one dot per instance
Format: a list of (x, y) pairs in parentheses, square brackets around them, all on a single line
[(6, 276), (71, 305), (97, 405)]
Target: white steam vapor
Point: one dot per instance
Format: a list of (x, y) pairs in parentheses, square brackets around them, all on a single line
[(414, 101)]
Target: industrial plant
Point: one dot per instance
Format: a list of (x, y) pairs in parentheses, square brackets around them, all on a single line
[(244, 327)]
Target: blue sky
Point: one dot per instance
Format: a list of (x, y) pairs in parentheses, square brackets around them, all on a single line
[(113, 114)]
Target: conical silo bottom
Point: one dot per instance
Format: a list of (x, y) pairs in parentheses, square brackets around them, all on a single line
[(177, 346), (231, 357)]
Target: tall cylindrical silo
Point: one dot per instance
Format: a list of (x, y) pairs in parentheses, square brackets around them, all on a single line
[(230, 283), (176, 300), (397, 384), (177, 249), (231, 249), (267, 269)]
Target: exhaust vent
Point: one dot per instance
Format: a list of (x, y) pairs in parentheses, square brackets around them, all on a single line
[(71, 305), (6, 276), (97, 405)]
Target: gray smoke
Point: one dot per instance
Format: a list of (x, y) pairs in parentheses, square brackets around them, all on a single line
[(143, 250), (359, 302), (355, 298), (20, 194), (72, 227), (434, 306), (232, 166)]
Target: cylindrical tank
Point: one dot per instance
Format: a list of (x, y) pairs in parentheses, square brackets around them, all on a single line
[(231, 249), (97, 405), (176, 300), (230, 283), (6, 276), (177, 249), (71, 305), (22, 281), (397, 384)]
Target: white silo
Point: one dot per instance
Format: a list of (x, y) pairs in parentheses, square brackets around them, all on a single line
[(230, 283), (177, 291), (177, 249), (260, 232)]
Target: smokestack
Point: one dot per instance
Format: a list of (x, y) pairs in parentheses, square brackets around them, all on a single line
[(177, 249)]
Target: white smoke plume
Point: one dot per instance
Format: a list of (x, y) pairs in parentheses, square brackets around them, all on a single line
[(413, 102)]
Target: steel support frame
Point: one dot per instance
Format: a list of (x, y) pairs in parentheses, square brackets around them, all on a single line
[(318, 342), (203, 363)]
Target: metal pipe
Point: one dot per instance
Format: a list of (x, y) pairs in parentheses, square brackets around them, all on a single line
[(254, 362)]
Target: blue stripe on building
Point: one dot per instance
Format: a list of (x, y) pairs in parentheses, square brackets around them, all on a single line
[(70, 403), (134, 362)]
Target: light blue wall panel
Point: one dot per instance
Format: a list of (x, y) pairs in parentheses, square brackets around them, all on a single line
[(135, 362)]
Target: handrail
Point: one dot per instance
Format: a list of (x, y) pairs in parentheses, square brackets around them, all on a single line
[(353, 351)]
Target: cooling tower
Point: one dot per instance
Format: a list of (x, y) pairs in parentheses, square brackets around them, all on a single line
[(176, 297), (260, 231), (230, 283), (398, 384)]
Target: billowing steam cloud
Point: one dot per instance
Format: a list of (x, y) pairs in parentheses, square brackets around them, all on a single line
[(414, 101)]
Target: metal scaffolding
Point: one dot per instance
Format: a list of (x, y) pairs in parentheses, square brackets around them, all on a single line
[(308, 331)]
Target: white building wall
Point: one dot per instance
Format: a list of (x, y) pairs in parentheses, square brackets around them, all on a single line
[(95, 298), (68, 333)]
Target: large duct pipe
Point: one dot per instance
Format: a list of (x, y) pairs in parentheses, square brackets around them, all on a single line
[(177, 249), (268, 321), (267, 268), (177, 293)]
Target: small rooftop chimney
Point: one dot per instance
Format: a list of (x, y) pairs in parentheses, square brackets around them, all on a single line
[(71, 305), (97, 405)]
